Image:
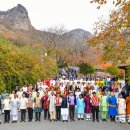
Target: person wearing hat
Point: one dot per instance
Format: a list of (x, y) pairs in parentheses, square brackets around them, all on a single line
[(95, 106)]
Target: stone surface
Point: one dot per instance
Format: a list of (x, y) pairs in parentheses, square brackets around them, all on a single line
[(77, 125), (16, 18)]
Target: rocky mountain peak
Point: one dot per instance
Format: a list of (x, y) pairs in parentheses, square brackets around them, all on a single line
[(16, 18)]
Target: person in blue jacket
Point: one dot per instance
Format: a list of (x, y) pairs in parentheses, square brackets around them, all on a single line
[(112, 110)]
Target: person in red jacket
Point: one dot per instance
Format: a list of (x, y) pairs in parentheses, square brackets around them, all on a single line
[(45, 106), (95, 106)]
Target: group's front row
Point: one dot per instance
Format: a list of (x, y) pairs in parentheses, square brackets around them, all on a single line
[(57, 107)]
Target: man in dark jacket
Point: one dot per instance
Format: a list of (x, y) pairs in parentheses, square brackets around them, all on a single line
[(64, 108)]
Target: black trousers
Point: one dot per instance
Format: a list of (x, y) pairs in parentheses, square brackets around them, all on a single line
[(46, 114), (58, 112), (30, 114), (95, 110), (38, 116), (7, 115), (23, 114), (112, 118), (71, 111)]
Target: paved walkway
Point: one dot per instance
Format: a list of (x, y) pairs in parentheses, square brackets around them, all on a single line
[(77, 125)]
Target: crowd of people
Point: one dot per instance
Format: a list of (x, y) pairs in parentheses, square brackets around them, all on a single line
[(68, 99)]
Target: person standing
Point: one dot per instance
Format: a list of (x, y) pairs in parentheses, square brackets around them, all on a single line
[(30, 108), (80, 107), (121, 108), (95, 106), (16, 89), (58, 107), (19, 93), (37, 107), (7, 107), (14, 108), (112, 109), (64, 108), (0, 108), (52, 110), (72, 103), (88, 109), (128, 108), (23, 107), (104, 106), (45, 105)]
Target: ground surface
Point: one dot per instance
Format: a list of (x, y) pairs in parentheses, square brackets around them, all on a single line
[(77, 125)]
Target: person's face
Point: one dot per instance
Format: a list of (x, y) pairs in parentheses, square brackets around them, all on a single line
[(71, 94), (112, 94), (37, 94), (87, 94), (120, 96), (94, 94), (7, 97), (80, 96), (77, 90), (23, 95)]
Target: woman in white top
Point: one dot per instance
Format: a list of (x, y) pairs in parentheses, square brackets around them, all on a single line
[(121, 108)]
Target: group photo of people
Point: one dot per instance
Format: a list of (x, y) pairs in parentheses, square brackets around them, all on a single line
[(67, 99)]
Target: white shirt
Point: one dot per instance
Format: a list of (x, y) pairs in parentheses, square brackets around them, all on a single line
[(44, 88), (25, 89), (23, 103), (77, 94), (41, 94), (19, 93), (7, 105)]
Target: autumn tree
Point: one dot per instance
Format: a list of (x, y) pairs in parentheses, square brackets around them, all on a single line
[(112, 38), (19, 66)]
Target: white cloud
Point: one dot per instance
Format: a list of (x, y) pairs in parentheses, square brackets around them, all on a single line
[(70, 13)]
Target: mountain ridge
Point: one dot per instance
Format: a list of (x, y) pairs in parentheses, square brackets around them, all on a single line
[(16, 26)]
